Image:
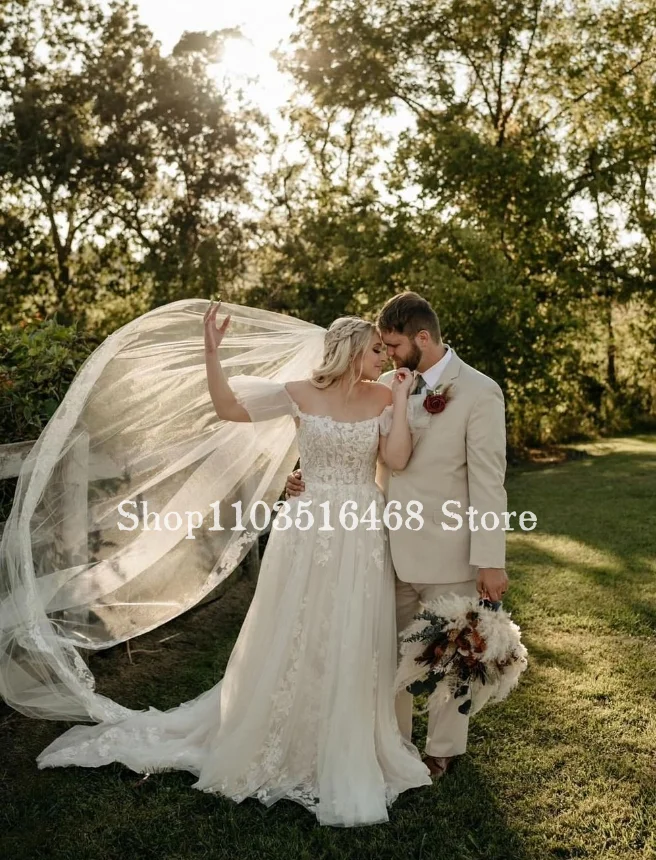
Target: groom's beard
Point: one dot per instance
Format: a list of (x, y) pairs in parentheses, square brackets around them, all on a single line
[(411, 361)]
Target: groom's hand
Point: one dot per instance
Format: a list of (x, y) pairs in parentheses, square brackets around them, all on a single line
[(294, 485), (492, 583)]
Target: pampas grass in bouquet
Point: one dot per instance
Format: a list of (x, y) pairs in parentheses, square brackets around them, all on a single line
[(463, 647)]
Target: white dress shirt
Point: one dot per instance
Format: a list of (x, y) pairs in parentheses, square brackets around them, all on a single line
[(432, 375)]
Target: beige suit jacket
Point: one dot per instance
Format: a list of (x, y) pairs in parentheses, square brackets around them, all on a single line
[(460, 457)]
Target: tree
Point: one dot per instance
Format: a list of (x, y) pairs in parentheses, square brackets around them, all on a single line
[(122, 167), (519, 117)]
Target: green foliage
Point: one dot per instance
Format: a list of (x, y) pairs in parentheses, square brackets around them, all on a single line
[(39, 362), (122, 169), (343, 258), (495, 156), (523, 158)]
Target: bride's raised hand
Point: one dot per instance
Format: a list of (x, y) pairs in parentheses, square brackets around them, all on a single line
[(214, 335), (402, 382)]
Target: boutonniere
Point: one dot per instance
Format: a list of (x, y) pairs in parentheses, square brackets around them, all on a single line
[(437, 398)]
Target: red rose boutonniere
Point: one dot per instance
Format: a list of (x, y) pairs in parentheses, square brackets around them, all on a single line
[(437, 398)]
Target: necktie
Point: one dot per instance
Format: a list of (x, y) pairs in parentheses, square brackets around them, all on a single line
[(420, 384)]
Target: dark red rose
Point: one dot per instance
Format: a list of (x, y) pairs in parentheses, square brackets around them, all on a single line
[(434, 403)]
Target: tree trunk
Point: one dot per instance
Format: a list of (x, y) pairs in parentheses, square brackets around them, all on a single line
[(611, 349)]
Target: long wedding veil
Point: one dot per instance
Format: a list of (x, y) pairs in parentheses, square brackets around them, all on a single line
[(137, 433)]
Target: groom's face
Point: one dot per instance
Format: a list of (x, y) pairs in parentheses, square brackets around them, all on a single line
[(402, 349)]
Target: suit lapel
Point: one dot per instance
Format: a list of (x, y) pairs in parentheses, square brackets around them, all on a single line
[(449, 375), (452, 370)]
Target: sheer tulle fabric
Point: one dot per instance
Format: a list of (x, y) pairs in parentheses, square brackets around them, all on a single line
[(305, 708), (137, 426)]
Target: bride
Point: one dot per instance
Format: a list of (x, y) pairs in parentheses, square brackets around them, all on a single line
[(305, 710)]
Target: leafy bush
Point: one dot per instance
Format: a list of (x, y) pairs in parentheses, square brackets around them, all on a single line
[(39, 362)]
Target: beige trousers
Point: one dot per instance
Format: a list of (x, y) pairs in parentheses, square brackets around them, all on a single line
[(447, 728)]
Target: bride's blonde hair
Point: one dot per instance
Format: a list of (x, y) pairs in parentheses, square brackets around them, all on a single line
[(346, 340)]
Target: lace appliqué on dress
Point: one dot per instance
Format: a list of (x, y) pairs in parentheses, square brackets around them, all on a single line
[(320, 634)]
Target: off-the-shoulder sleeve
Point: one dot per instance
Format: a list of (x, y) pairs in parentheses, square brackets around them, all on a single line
[(385, 420), (263, 399)]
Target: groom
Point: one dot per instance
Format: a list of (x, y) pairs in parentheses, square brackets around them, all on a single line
[(459, 457)]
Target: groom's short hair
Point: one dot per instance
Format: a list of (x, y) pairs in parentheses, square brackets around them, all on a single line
[(407, 313)]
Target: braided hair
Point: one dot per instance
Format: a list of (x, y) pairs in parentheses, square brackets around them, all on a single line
[(346, 340)]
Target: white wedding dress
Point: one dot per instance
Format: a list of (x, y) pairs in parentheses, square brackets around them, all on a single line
[(305, 710)]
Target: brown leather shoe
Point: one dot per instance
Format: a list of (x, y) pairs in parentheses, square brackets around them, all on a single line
[(438, 765)]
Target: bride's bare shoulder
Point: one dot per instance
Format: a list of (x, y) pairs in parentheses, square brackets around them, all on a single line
[(382, 393)]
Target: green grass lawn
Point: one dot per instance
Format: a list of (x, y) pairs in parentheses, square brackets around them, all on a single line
[(565, 767)]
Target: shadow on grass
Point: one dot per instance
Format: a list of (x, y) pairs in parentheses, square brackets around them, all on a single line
[(84, 813), (545, 656), (595, 541), (99, 813), (607, 501), (546, 741), (578, 765)]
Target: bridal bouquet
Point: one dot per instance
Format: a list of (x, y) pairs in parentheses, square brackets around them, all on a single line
[(461, 647)]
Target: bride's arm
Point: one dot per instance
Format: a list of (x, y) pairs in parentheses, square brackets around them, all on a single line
[(395, 449), (225, 403)]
